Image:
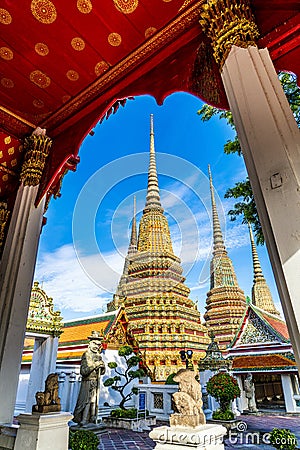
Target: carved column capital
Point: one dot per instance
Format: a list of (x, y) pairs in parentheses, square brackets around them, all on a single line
[(37, 147), (228, 23)]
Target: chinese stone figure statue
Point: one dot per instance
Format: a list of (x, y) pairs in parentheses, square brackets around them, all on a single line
[(250, 393), (91, 368)]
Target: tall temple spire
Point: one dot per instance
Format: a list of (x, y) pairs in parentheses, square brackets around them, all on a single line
[(256, 264), (261, 295), (153, 198), (162, 318), (226, 302), (132, 249), (218, 241)]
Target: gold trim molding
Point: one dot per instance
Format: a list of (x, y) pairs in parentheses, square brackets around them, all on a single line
[(228, 23)]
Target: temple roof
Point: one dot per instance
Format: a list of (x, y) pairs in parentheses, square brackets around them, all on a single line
[(74, 338), (258, 328), (77, 331), (65, 64), (263, 362)]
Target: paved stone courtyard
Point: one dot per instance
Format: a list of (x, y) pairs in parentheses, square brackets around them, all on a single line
[(255, 435)]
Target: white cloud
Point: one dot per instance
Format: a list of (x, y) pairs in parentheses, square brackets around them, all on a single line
[(64, 279)]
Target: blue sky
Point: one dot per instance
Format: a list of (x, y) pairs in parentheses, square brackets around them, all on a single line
[(84, 242)]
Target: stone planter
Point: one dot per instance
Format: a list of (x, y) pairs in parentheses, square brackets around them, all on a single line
[(228, 424), (129, 424)]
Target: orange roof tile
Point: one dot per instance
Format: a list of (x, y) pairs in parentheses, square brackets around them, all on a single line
[(262, 361), (278, 324), (79, 330)]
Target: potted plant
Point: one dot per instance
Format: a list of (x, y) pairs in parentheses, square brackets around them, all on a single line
[(83, 440), (224, 388), (283, 439), (123, 417)]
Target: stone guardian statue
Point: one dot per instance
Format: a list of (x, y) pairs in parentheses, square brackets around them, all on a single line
[(91, 368), (250, 392)]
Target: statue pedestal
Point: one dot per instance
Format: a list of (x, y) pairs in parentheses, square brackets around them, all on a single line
[(205, 437), (43, 431)]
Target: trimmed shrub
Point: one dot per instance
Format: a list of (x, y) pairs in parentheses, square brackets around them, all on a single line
[(83, 440)]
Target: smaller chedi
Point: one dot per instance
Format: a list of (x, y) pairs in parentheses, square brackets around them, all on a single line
[(48, 400)]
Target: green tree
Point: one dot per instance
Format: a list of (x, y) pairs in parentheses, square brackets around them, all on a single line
[(121, 380), (246, 207), (224, 388)]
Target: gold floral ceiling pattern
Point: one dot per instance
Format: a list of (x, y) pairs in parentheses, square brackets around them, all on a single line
[(10, 156), (68, 44), (64, 63)]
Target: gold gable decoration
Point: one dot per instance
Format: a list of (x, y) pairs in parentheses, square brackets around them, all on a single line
[(41, 316)]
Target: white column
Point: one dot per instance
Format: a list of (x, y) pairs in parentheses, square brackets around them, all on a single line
[(17, 268), (16, 274), (287, 387), (43, 363), (270, 141)]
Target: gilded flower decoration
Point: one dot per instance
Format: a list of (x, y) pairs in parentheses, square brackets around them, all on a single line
[(149, 32), (41, 49), (126, 6), (114, 39), (101, 67), (78, 44), (5, 17), (6, 53), (7, 83), (38, 103), (44, 11), (40, 79), (72, 75), (84, 6)]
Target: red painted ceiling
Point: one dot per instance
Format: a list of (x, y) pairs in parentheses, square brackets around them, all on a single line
[(64, 63)]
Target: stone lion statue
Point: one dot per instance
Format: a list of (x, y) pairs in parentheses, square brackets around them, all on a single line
[(188, 400), (48, 401)]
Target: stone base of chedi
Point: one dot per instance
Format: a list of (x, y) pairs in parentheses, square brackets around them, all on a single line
[(188, 429)]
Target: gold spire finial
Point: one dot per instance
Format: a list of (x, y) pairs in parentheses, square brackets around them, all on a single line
[(217, 232), (133, 238), (153, 198), (261, 294), (257, 270)]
